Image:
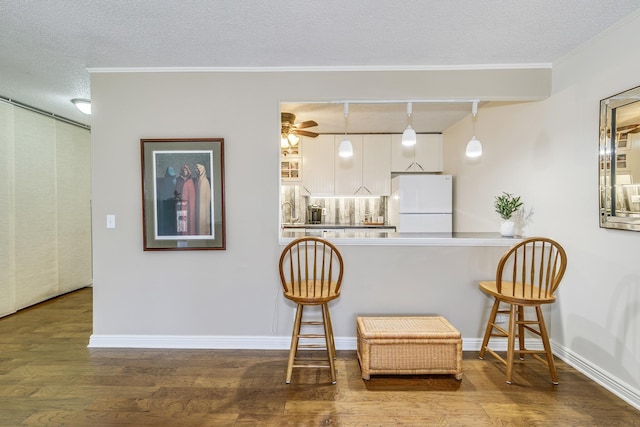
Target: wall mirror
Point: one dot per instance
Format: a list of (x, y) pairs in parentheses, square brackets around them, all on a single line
[(619, 161)]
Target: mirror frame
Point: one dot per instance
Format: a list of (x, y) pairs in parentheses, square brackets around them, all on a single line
[(615, 208)]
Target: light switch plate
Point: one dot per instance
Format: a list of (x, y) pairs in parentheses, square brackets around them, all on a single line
[(111, 221)]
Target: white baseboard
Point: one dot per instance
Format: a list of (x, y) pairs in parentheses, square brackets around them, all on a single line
[(204, 342), (616, 386), (245, 342)]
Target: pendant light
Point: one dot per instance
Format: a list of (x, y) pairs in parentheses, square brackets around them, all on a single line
[(345, 149), (474, 147), (409, 135)]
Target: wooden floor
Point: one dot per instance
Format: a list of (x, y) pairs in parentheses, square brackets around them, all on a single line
[(48, 377)]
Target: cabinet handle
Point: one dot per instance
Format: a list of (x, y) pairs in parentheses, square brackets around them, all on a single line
[(409, 167), (366, 189), (306, 189), (356, 192), (418, 165)]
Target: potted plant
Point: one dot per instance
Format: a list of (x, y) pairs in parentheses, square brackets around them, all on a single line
[(506, 205)]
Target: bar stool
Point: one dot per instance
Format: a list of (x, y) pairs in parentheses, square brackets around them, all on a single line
[(311, 274), (528, 275)]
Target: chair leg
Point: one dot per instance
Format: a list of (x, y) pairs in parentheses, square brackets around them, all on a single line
[(521, 330), (511, 342), (328, 336), (489, 329), (295, 337), (547, 346), (325, 307)]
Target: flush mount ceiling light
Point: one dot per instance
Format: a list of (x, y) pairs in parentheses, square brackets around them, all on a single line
[(474, 147), (409, 135), (345, 149), (83, 105)]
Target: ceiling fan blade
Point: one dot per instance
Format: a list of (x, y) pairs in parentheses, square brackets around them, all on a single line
[(305, 133), (307, 124), (626, 128)]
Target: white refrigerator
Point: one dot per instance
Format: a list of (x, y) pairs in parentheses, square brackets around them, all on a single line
[(421, 203)]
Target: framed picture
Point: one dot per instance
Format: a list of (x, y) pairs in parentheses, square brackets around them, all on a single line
[(183, 194)]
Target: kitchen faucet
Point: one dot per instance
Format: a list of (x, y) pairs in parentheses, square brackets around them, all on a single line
[(292, 220)]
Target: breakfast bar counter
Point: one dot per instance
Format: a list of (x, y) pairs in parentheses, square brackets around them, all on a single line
[(376, 237)]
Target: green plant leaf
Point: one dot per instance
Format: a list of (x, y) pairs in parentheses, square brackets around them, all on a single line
[(507, 204)]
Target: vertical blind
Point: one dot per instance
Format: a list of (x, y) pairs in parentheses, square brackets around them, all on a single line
[(45, 202)]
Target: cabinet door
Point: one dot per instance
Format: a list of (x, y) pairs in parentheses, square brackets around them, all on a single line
[(428, 153), (317, 164), (425, 156), (376, 165), (348, 171), (401, 156)]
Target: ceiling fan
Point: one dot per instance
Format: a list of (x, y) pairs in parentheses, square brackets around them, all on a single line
[(292, 131), (629, 129)]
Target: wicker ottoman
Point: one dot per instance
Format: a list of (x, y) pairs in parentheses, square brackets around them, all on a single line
[(408, 345)]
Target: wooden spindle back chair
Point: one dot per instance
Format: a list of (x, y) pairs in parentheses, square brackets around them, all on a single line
[(311, 272), (527, 275)]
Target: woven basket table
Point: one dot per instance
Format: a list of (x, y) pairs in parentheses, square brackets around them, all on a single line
[(408, 346)]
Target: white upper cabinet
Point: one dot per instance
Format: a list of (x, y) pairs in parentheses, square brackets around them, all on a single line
[(376, 165), (368, 172), (318, 166), (425, 156)]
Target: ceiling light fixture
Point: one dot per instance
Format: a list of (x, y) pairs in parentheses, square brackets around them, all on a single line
[(345, 149), (474, 147), (293, 139), (83, 105), (409, 135)]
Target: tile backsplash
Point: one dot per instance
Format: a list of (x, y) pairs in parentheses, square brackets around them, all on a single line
[(339, 211)]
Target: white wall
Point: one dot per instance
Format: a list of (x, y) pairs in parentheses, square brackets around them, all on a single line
[(235, 292), (547, 152)]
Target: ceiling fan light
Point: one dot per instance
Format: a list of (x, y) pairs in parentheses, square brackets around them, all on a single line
[(409, 137), (84, 105), (284, 141), (474, 148), (345, 149), (293, 139)]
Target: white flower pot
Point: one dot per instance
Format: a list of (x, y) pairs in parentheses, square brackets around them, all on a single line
[(507, 228)]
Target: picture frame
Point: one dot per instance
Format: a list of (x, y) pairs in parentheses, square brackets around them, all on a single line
[(183, 194)]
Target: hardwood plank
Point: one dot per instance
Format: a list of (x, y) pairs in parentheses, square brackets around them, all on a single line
[(48, 377)]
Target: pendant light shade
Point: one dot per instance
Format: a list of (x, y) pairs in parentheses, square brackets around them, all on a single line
[(474, 147), (345, 149), (409, 135)]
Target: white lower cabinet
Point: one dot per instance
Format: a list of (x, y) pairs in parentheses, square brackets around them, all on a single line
[(368, 172), (425, 156)]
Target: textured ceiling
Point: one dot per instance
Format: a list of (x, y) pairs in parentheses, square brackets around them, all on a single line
[(47, 46)]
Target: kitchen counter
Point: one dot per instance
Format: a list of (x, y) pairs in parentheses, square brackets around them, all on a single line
[(391, 238)]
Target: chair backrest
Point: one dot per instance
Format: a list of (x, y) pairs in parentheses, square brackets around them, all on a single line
[(536, 263), (311, 267)]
